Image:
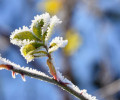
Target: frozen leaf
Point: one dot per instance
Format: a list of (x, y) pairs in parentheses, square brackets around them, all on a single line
[(30, 47), (37, 28), (42, 26), (28, 50), (53, 22), (44, 36), (42, 21), (21, 35), (25, 35), (56, 43)]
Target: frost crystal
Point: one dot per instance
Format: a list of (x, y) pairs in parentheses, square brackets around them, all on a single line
[(53, 22), (40, 31), (7, 62), (49, 23), (25, 28), (4, 61), (69, 83), (46, 19), (21, 43), (56, 43), (72, 86), (88, 96)]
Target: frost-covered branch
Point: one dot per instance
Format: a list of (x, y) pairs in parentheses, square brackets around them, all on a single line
[(64, 84), (34, 43)]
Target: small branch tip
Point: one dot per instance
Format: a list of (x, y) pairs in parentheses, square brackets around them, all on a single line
[(23, 77), (13, 74)]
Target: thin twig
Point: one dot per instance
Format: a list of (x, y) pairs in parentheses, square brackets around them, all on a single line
[(51, 80), (25, 71), (47, 79)]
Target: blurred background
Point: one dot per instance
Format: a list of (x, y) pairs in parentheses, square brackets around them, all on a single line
[(91, 60)]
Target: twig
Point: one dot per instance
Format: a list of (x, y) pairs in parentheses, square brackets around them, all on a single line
[(6, 64), (50, 80)]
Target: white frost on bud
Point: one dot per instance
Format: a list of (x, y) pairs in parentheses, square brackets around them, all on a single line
[(46, 19), (53, 22), (59, 42)]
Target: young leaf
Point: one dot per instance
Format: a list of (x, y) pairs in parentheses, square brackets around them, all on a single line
[(28, 50), (37, 28), (53, 22), (52, 44), (44, 36), (56, 43), (25, 35), (39, 24)]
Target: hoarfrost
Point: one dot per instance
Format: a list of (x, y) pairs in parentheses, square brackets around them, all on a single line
[(25, 28), (59, 42), (4, 61), (21, 43), (53, 22), (75, 88), (45, 17)]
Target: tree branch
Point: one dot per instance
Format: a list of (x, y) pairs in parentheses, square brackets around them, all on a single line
[(6, 64)]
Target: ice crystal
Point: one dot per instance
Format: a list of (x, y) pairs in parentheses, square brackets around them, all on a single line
[(56, 43), (75, 88), (25, 28), (45, 17), (4, 61), (53, 22), (39, 32)]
